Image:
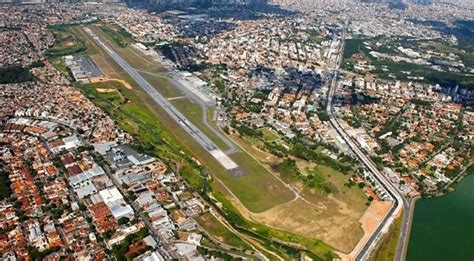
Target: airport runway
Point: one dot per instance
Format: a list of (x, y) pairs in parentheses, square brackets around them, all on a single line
[(192, 130), (204, 106)]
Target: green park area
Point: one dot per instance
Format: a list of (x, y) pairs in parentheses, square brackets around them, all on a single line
[(220, 232), (401, 70), (315, 37), (269, 135), (15, 74)]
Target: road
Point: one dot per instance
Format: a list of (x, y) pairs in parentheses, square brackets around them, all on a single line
[(174, 113), (400, 202)]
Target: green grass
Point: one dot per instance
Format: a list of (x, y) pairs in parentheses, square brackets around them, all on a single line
[(387, 247), (66, 42), (117, 34), (257, 189), (315, 37), (353, 196), (220, 232), (58, 63), (270, 238), (163, 86), (103, 99), (269, 135), (318, 178)]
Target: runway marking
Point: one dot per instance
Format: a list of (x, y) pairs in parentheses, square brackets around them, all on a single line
[(176, 98)]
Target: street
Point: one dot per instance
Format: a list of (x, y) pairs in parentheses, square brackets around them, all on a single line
[(400, 202)]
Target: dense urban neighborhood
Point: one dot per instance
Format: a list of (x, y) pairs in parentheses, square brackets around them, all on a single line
[(245, 130)]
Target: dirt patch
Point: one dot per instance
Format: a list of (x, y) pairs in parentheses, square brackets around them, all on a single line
[(104, 90), (303, 164), (107, 79), (332, 221), (369, 222)]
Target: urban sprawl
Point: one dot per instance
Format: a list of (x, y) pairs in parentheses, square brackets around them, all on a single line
[(74, 185)]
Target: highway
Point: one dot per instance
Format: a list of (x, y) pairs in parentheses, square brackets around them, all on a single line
[(192, 130), (400, 202)]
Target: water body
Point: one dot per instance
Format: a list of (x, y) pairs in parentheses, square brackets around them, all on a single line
[(443, 228)]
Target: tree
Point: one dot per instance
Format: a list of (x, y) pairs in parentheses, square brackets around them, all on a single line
[(15, 74), (123, 220), (82, 207), (402, 182)]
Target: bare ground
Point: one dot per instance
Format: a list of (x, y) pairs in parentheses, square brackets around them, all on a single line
[(104, 90), (332, 221), (107, 79), (370, 220)]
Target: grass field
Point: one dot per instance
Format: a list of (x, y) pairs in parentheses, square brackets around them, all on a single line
[(269, 135), (117, 34), (220, 232), (162, 85), (332, 217), (66, 42), (385, 250), (269, 237), (353, 196)]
